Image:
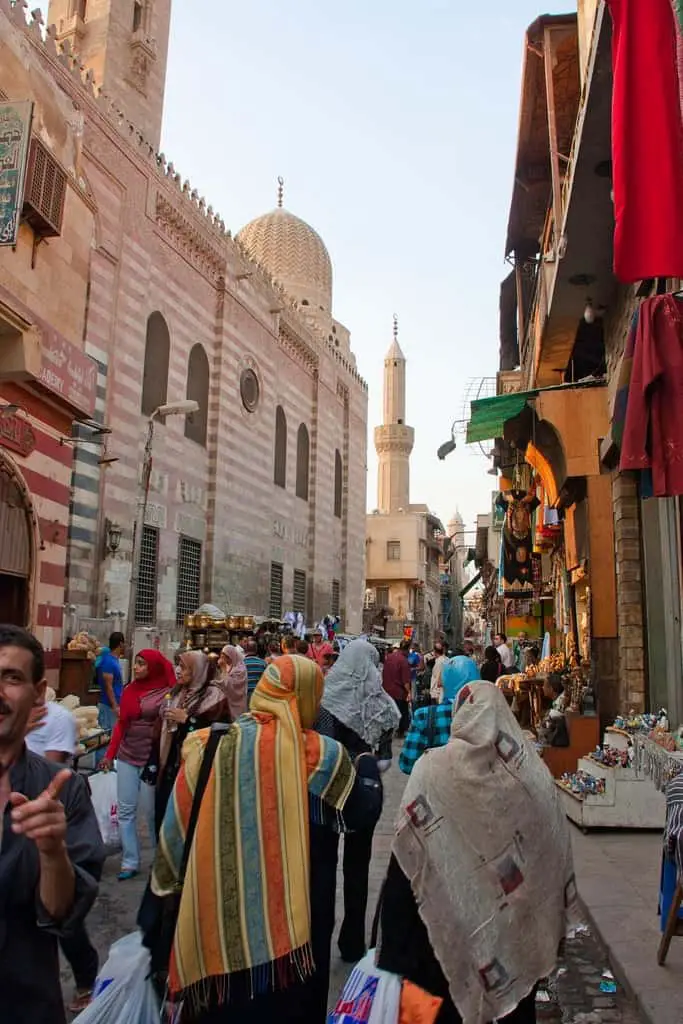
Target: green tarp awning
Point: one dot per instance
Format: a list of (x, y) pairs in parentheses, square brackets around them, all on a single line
[(488, 416), (473, 582)]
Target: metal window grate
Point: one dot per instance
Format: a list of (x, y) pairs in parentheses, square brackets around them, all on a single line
[(146, 596), (382, 597), (336, 598), (276, 582), (393, 551), (299, 597), (189, 578)]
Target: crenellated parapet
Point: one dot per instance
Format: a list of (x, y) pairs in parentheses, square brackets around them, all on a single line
[(178, 209)]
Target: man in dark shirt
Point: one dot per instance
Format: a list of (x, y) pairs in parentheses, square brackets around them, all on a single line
[(396, 681), (51, 853)]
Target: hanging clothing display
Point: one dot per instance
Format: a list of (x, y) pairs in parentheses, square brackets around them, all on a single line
[(517, 543), (647, 140), (653, 424)]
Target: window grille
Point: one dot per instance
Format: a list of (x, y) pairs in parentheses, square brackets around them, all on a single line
[(276, 581), (393, 551), (336, 598), (382, 597), (189, 578), (146, 596), (299, 599)]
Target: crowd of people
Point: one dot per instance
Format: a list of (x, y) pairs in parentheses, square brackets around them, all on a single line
[(249, 771)]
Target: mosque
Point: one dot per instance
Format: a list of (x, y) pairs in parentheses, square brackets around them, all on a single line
[(256, 502)]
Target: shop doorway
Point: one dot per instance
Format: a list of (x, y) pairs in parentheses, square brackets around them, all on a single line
[(15, 549)]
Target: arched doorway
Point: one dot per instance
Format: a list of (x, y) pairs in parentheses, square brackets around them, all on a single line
[(17, 550)]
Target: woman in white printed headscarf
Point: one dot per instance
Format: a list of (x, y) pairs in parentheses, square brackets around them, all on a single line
[(360, 715), (480, 884)]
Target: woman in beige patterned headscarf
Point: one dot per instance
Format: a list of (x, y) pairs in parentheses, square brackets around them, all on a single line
[(481, 882)]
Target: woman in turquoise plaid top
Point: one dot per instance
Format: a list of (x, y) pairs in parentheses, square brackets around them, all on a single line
[(431, 727)]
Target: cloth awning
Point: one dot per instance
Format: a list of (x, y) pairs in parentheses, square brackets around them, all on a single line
[(472, 583), (488, 416)]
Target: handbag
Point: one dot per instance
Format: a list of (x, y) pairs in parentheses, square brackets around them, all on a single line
[(158, 915)]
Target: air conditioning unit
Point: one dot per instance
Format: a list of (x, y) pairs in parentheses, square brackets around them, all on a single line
[(45, 191)]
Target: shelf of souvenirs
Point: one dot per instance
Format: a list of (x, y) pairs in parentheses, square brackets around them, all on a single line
[(530, 691), (210, 628), (612, 786)]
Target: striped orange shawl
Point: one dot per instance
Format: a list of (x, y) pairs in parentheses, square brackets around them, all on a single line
[(245, 904)]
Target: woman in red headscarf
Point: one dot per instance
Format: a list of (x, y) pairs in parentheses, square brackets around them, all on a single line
[(134, 746)]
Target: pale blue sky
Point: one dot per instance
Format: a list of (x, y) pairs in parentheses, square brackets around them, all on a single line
[(394, 124)]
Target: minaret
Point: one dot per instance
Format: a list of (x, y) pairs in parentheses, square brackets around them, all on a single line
[(394, 440), (125, 45)]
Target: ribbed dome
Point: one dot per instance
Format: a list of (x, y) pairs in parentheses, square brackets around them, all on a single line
[(294, 254)]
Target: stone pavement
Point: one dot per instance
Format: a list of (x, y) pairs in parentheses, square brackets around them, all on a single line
[(572, 995), (618, 880)]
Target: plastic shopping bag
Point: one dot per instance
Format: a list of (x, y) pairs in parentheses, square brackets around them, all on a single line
[(370, 996), (105, 803), (123, 991)]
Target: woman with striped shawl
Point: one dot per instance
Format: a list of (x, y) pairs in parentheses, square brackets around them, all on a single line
[(254, 929)]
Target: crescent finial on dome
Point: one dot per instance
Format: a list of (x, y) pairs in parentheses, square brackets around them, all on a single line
[(395, 327), (280, 191)]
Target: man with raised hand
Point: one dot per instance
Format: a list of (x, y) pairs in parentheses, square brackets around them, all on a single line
[(51, 853)]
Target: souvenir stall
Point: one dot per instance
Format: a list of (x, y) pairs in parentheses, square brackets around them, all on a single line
[(613, 786)]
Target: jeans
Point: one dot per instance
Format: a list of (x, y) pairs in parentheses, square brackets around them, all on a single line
[(106, 719), (82, 957), (133, 795)]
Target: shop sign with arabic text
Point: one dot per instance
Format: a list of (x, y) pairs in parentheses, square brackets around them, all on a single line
[(68, 372), (15, 135)]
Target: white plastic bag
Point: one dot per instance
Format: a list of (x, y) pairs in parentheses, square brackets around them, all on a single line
[(370, 996), (105, 803), (123, 992)]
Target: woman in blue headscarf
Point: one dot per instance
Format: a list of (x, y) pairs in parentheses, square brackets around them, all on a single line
[(457, 672), (431, 727)]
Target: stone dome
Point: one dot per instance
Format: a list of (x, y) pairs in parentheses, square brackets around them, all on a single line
[(294, 254)]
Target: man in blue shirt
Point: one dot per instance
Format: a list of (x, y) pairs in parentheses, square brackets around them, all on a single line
[(110, 681)]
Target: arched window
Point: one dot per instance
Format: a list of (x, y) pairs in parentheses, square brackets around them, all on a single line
[(338, 484), (280, 469), (198, 390), (303, 458), (155, 372)]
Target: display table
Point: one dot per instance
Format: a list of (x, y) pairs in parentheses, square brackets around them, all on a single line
[(584, 736), (77, 676), (629, 800)]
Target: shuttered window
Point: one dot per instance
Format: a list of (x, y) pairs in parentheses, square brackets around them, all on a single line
[(336, 598), (155, 369), (189, 578), (338, 484), (146, 596), (382, 597), (276, 581), (303, 459), (393, 551), (280, 468), (299, 598)]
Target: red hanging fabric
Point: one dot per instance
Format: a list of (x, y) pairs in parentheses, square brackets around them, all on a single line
[(647, 141)]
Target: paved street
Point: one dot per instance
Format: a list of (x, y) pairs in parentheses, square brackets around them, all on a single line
[(573, 995)]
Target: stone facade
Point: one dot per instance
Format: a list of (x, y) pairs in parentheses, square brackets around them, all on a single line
[(43, 297), (158, 248), (632, 691)]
